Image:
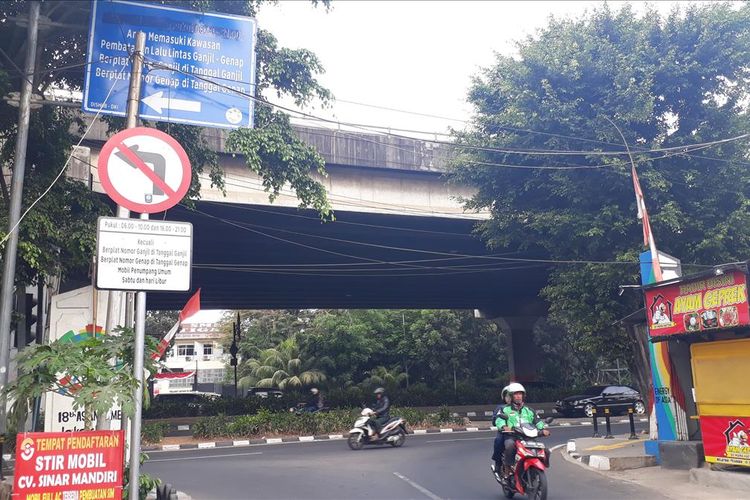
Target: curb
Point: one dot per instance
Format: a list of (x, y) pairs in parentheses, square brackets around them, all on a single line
[(296, 439), (604, 463), (330, 437)]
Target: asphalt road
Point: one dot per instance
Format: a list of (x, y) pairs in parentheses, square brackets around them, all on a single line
[(434, 466)]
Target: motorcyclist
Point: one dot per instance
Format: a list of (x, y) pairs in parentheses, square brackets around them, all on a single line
[(506, 417), (381, 408), (315, 403)]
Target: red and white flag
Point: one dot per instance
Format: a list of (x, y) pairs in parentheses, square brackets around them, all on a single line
[(191, 307), (648, 236)]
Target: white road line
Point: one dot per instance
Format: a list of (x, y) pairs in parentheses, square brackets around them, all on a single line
[(557, 446), (206, 445), (421, 489), (170, 447), (241, 442), (420, 431), (203, 457), (306, 438), (274, 441)]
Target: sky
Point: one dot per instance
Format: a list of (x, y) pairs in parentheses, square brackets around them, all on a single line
[(416, 56)]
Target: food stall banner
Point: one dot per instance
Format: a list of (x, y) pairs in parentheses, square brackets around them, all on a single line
[(725, 440), (698, 305)]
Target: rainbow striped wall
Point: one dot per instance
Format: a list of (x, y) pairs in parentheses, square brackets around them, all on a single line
[(665, 395)]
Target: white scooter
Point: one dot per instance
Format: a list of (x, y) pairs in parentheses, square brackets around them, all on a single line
[(392, 433)]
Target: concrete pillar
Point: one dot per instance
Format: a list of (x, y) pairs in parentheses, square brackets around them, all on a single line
[(524, 358)]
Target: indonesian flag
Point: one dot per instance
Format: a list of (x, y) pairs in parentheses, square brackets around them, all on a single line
[(191, 307), (648, 237)]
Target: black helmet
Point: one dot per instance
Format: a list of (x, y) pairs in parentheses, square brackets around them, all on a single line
[(379, 390)]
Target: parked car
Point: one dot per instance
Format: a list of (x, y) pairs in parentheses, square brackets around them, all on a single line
[(616, 397), (186, 397), (263, 392)]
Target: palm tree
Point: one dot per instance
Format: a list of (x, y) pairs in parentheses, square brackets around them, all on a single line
[(281, 367), (382, 376)]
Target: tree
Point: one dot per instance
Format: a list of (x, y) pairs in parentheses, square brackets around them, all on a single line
[(159, 323), (381, 376), (94, 383), (667, 83), (281, 367), (57, 237)]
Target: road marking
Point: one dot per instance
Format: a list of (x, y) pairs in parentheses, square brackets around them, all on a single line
[(336, 436), (471, 414), (420, 431), (203, 457), (557, 446), (206, 445), (603, 447), (643, 420), (565, 424), (472, 429), (183, 427), (274, 440), (170, 447), (421, 489), (586, 423), (307, 438), (446, 430), (241, 442)]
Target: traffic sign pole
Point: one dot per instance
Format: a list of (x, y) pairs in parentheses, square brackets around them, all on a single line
[(14, 213)]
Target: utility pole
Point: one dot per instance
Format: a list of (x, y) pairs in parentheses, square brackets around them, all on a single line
[(14, 211), (134, 99)]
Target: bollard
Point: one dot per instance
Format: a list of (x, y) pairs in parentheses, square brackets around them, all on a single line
[(596, 425), (609, 428), (632, 424)]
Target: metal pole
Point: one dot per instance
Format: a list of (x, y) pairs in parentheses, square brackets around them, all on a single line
[(596, 424), (609, 427), (14, 210), (135, 427), (134, 96), (632, 424)]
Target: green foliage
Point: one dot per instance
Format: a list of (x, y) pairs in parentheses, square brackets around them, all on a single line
[(667, 82), (153, 432), (57, 236), (281, 367), (266, 423), (98, 385)]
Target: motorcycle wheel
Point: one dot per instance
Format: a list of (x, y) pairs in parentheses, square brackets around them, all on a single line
[(508, 492), (536, 481), (400, 438), (356, 441)]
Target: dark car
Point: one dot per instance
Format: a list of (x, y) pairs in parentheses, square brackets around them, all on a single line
[(263, 392), (618, 398)]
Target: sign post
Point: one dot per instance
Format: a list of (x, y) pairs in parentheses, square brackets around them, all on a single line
[(146, 171), (201, 64)]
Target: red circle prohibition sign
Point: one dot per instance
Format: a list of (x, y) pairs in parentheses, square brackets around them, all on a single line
[(129, 155)]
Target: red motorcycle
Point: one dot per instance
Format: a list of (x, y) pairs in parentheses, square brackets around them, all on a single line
[(532, 459)]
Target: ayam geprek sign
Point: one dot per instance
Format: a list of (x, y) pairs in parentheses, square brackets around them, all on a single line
[(698, 305), (69, 465), (726, 440)]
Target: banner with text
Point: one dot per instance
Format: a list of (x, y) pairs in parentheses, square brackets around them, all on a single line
[(69, 465), (725, 440), (698, 305)]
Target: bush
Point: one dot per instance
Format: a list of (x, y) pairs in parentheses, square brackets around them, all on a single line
[(153, 432), (265, 422)]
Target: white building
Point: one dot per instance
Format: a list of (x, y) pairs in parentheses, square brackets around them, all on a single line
[(196, 347)]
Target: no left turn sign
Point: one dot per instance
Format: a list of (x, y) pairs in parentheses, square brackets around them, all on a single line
[(144, 170)]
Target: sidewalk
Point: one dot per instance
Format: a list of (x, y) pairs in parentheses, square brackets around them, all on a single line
[(625, 460)]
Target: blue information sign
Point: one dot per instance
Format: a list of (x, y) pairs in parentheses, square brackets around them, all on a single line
[(198, 65)]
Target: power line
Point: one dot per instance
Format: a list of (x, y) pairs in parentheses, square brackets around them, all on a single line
[(528, 152), (65, 166)]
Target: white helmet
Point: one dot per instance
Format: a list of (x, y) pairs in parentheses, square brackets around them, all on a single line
[(515, 387), (314, 390)]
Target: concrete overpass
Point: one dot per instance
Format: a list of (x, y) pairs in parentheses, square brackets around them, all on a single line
[(401, 238)]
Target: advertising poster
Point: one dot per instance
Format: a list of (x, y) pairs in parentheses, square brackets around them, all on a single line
[(696, 306), (725, 440), (69, 465)]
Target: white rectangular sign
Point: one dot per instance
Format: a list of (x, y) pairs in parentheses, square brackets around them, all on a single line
[(143, 255)]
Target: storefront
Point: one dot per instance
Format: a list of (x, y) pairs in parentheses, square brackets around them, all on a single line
[(699, 328)]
